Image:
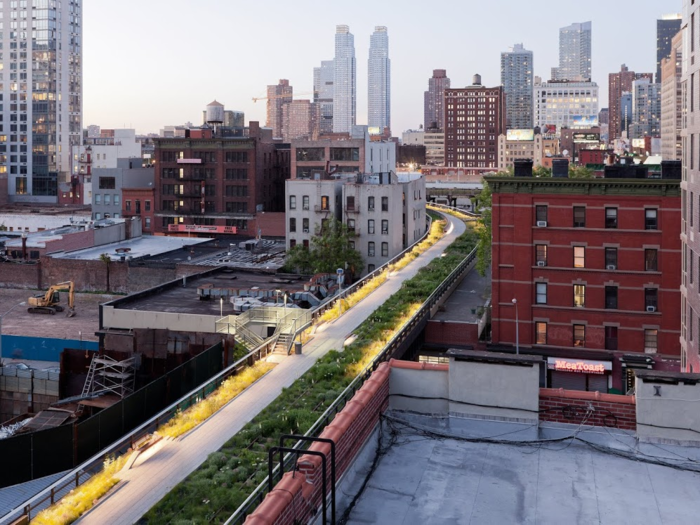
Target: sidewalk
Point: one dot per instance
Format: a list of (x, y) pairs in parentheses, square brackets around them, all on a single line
[(148, 482)]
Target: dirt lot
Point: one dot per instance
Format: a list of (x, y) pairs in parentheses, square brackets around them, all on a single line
[(20, 322)]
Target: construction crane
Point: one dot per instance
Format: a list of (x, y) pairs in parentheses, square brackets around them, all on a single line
[(286, 95), (48, 302)]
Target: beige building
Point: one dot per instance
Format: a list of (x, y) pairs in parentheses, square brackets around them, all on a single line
[(386, 212), (671, 101), (510, 150), (434, 142), (298, 120)]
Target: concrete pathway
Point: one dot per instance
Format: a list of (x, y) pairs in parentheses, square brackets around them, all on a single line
[(151, 479)]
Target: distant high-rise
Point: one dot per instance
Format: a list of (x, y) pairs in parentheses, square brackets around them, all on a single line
[(43, 95), (672, 101), (517, 82), (277, 96), (379, 80), (574, 53), (619, 83), (646, 109), (344, 81), (323, 95), (434, 100), (666, 29)]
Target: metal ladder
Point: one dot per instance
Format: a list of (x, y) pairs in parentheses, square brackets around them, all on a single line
[(87, 387)]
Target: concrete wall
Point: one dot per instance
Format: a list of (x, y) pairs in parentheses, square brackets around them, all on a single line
[(419, 387), (667, 407), (26, 391), (130, 319)]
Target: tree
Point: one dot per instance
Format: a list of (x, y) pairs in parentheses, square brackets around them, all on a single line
[(329, 250), (580, 172), (483, 230), (107, 260), (541, 172)]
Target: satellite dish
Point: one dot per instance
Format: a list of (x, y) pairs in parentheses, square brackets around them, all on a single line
[(565, 152)]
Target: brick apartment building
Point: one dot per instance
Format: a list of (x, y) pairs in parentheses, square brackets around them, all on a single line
[(140, 202), (474, 118), (205, 181), (594, 266)]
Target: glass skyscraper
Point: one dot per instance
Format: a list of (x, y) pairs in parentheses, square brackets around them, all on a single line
[(42, 94), (344, 81), (574, 53), (379, 80), (517, 81)]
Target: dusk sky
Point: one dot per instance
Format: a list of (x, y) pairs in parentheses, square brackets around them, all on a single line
[(160, 62)]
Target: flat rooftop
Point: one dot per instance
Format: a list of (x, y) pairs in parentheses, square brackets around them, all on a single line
[(426, 477), (473, 292), (147, 245)]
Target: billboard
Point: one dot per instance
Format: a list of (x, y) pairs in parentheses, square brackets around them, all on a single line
[(520, 134), (586, 138), (196, 228), (638, 143), (580, 122)]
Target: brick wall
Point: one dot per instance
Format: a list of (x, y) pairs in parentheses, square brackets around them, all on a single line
[(88, 276), (14, 275), (452, 333), (569, 406), (271, 224), (297, 496), (71, 242)]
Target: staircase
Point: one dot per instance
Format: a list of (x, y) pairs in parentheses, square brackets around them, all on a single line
[(87, 387), (283, 344)]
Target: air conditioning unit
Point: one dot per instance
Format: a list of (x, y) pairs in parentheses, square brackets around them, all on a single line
[(541, 224), (651, 308), (611, 267), (385, 232), (541, 263), (306, 230)]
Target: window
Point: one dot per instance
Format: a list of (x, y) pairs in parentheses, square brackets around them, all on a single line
[(690, 211), (651, 219), (579, 217), (236, 174), (370, 203), (350, 203), (385, 203), (305, 225), (292, 202), (351, 225), (325, 203), (292, 243), (579, 295), (541, 293), (579, 257), (138, 206), (385, 227), (651, 260), (611, 297), (370, 226), (292, 224), (651, 299), (651, 338), (370, 268), (310, 154), (579, 335), (345, 154), (116, 200), (611, 337), (541, 254), (690, 266), (148, 223), (98, 198), (541, 214), (611, 217), (127, 205), (107, 183), (370, 249), (305, 243), (385, 249), (148, 205), (305, 202), (611, 258), (540, 333)]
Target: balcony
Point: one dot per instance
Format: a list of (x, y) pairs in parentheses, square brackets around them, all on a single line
[(352, 209), (321, 209)]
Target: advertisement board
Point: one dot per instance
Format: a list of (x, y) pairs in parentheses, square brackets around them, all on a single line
[(520, 134), (196, 228), (638, 143), (580, 122), (586, 138)]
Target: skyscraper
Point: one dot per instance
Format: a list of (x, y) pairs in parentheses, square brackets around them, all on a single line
[(672, 101), (666, 29), (379, 80), (277, 96), (434, 100), (323, 95), (42, 93), (344, 81), (516, 79), (574, 53), (619, 83), (646, 109)]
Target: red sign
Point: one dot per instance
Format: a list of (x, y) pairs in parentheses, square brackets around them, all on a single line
[(195, 228), (579, 367)]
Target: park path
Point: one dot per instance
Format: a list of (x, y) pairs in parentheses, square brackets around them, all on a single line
[(149, 480)]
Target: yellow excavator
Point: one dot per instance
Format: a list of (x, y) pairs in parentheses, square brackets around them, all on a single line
[(48, 302)]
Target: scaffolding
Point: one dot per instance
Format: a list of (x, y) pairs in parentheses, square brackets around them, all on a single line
[(109, 376)]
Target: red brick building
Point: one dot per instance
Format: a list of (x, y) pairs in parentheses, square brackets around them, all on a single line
[(140, 202), (474, 118), (594, 266), (203, 180)]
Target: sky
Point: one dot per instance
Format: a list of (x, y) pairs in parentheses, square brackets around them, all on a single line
[(151, 63)]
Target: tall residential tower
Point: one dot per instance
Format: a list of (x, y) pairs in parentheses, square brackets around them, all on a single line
[(42, 90), (517, 82), (434, 100), (379, 80), (323, 96), (574, 53), (618, 84), (666, 29), (277, 96), (344, 81)]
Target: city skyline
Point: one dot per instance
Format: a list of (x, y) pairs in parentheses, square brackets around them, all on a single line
[(292, 45)]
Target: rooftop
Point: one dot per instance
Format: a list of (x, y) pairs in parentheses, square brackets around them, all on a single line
[(148, 245), (595, 186)]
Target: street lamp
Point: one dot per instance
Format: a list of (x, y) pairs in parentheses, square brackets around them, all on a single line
[(1, 317), (517, 335)]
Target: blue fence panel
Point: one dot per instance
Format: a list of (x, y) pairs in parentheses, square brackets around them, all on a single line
[(41, 348)]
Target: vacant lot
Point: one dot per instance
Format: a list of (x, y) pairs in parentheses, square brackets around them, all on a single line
[(20, 322)]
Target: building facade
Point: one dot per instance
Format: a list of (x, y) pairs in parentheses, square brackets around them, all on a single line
[(666, 28), (323, 96), (590, 269), (646, 109), (109, 183), (344, 81), (574, 53), (619, 84), (474, 118), (43, 96), (434, 147), (537, 148), (277, 96), (379, 80), (434, 101), (672, 101), (298, 120), (517, 74), (566, 104), (140, 202)]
